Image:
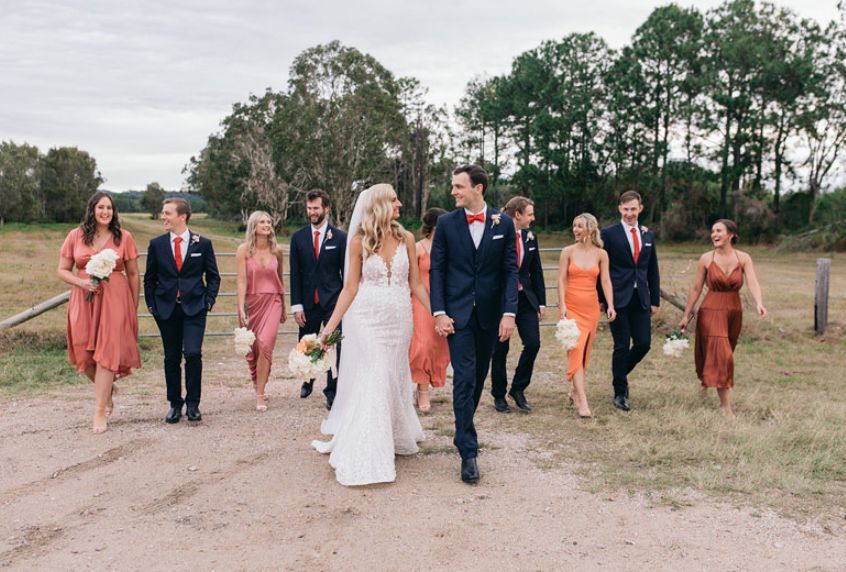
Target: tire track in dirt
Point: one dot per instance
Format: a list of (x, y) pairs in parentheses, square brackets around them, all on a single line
[(63, 474)]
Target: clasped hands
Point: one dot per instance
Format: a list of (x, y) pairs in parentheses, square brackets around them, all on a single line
[(444, 326)]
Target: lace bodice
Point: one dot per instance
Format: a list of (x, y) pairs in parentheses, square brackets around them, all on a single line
[(375, 272)]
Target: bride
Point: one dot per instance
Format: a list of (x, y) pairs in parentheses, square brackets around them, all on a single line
[(373, 417)]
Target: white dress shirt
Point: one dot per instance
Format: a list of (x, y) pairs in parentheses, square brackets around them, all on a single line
[(183, 246), (477, 229), (322, 230)]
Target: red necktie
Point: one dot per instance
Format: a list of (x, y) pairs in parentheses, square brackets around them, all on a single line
[(519, 252), (471, 218), (177, 253), (636, 244), (316, 256)]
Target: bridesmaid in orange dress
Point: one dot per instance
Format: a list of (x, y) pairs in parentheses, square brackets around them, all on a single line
[(102, 333), (261, 296), (720, 316), (428, 354), (579, 266)]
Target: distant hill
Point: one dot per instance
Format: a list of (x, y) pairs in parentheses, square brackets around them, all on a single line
[(130, 201)]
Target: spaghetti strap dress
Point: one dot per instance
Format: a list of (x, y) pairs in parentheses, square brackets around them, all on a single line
[(718, 324)]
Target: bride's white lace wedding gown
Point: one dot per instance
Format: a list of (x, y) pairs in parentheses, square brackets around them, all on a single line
[(373, 416)]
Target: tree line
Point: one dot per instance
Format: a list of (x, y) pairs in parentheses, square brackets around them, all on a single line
[(739, 111)]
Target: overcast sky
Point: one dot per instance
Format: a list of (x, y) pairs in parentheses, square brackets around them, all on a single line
[(140, 85)]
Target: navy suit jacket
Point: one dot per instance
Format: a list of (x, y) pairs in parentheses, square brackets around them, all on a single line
[(624, 272), (531, 272), (462, 277), (162, 280), (326, 273)]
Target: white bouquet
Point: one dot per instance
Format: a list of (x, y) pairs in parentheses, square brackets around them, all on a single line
[(100, 267), (567, 332), (307, 359), (244, 340), (675, 344)]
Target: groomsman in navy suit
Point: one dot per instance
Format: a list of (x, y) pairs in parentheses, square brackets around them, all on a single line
[(317, 277), (531, 306), (181, 282), (473, 290), (633, 264)]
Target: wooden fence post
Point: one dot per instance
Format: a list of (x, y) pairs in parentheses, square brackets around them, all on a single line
[(821, 295)]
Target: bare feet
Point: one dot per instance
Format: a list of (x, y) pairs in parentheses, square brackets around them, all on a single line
[(423, 399), (110, 405), (260, 403), (100, 422)]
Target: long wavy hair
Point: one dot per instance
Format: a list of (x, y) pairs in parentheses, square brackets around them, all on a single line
[(89, 220), (250, 235), (592, 227), (377, 222)]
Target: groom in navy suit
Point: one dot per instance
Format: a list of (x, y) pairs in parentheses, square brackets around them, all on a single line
[(317, 276), (180, 287), (633, 264), (473, 291)]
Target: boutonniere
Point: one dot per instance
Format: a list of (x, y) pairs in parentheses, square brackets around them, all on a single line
[(328, 234), (644, 229), (495, 219), (530, 236), (195, 238)]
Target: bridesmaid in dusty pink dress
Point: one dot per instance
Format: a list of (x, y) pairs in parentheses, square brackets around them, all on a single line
[(102, 333), (261, 296)]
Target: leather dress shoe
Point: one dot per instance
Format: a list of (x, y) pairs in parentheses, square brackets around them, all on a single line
[(193, 414), (501, 405), (173, 414), (620, 402), (469, 471), (305, 390), (520, 400)]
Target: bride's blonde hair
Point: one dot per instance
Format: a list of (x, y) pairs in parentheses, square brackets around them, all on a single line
[(377, 220), (592, 227)]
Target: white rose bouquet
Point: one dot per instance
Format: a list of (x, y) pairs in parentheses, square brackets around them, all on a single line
[(675, 344), (567, 332), (244, 340), (100, 267), (308, 359)]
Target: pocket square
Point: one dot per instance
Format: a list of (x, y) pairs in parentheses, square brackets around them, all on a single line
[(194, 254), (647, 244), (533, 248), (329, 247), (497, 237)]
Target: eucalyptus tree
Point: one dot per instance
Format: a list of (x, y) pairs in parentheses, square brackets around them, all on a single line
[(69, 176), (20, 194)]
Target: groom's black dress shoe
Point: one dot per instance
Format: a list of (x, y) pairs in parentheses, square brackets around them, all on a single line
[(520, 400), (193, 413), (501, 405), (469, 471), (620, 402), (173, 414), (305, 390)]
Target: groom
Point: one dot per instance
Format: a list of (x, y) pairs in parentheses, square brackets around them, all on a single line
[(180, 286), (474, 297), (633, 265)]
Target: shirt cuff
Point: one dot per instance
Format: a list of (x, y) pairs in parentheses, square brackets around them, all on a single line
[(512, 314), (296, 308), (439, 313)]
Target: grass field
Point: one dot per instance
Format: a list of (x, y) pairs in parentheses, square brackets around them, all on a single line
[(785, 449)]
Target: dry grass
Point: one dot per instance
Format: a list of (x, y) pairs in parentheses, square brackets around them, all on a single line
[(785, 449)]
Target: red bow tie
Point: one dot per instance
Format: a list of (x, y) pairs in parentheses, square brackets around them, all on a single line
[(471, 218)]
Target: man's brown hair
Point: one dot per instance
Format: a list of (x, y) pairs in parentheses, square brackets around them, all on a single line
[(517, 205), (629, 196), (315, 194), (183, 207)]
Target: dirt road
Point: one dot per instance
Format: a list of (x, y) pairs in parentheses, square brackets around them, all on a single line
[(244, 491)]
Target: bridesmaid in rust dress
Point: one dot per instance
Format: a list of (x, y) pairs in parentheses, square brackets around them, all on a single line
[(579, 266), (720, 316), (102, 333), (429, 353), (261, 296)]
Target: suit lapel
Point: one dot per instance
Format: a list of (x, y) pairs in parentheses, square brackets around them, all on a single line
[(192, 245), (626, 243), (465, 236), (325, 240), (486, 236), (523, 249), (168, 252)]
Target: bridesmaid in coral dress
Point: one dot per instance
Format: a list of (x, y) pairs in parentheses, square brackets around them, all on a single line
[(720, 316), (102, 333), (428, 354), (579, 266), (261, 296)]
